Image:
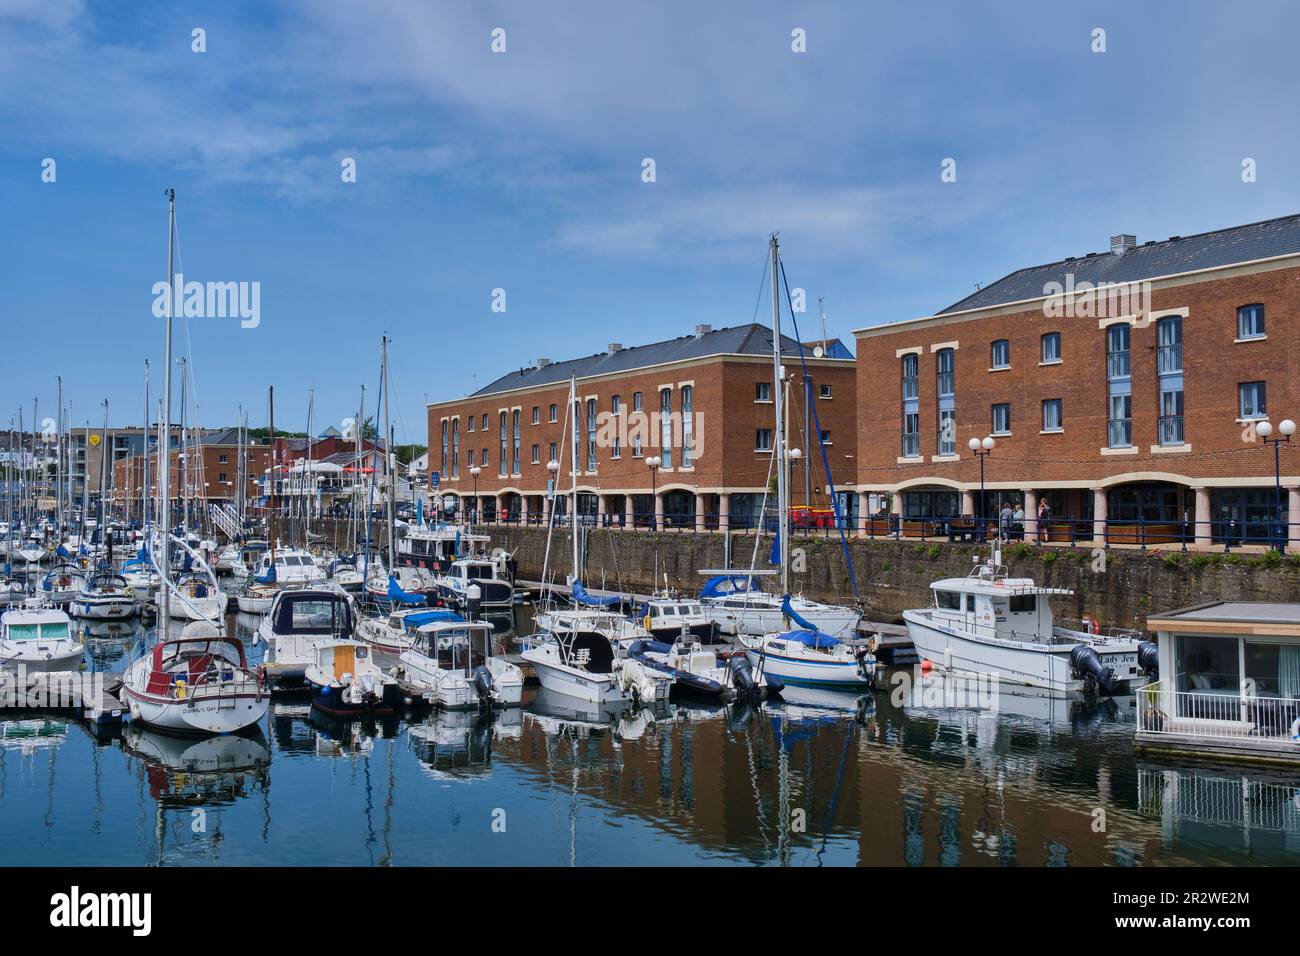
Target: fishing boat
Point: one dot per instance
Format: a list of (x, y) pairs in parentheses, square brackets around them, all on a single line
[(105, 597), (585, 664), (453, 660), (299, 621), (38, 639), (62, 583), (199, 682), (991, 623), (495, 590), (345, 680)]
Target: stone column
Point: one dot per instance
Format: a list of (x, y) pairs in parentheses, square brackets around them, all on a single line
[(1031, 514), (1203, 530), (1099, 516), (864, 512), (523, 509), (602, 505), (724, 512), (968, 502), (627, 511), (700, 508), (659, 511), (1293, 517)]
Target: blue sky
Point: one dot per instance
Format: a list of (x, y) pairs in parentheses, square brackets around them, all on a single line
[(522, 171)]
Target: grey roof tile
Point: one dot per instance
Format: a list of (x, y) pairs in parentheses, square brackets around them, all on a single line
[(1256, 240), (752, 339)]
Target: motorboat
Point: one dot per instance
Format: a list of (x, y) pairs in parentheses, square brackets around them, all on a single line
[(105, 597), (344, 572), (738, 606), (453, 661), (409, 586), (584, 662), (195, 597), (697, 669), (12, 590), (345, 680), (495, 590), (664, 617), (30, 551), (199, 682), (38, 639), (62, 583), (991, 623), (435, 547), (393, 633), (301, 619), (292, 566)]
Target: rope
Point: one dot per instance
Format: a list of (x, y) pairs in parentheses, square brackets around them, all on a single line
[(835, 500)]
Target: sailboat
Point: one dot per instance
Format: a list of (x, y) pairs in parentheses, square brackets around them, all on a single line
[(578, 652), (805, 654)]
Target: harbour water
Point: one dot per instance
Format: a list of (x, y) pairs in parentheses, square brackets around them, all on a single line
[(815, 780)]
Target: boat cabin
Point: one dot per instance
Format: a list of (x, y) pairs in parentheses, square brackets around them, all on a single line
[(988, 604), (455, 645), (45, 624), (312, 612), (1229, 682), (194, 662)]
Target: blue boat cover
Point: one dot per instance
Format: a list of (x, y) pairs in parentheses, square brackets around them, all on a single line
[(395, 593), (737, 581), (62, 552), (775, 556), (581, 596), (810, 638), (268, 577), (789, 612), (440, 616)]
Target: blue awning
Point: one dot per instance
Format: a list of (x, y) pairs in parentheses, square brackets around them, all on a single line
[(581, 596)]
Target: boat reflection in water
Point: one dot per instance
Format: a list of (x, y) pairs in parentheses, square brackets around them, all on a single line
[(32, 734), (189, 771), (560, 714), (1252, 817), (109, 642), (458, 744)]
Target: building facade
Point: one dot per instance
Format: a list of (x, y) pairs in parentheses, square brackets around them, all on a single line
[(1123, 388), (675, 434)]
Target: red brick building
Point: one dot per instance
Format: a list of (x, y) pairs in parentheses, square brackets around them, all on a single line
[(1122, 387), (700, 405)]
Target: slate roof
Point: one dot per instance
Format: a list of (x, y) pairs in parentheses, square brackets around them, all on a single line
[(1150, 260), (753, 339)]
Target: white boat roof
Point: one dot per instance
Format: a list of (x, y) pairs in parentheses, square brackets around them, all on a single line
[(1015, 586), (34, 615)]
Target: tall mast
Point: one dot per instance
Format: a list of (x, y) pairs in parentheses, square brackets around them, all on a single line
[(782, 503), (361, 425), (388, 465), (164, 468), (310, 489), (270, 529), (144, 477), (573, 486), (183, 459), (103, 469), (58, 462)]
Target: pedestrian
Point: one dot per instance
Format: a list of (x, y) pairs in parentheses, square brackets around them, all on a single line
[(1019, 519), (1004, 522), (1044, 515)]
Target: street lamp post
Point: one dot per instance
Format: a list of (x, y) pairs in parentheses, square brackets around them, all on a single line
[(474, 472), (653, 464), (1286, 428), (982, 450), (553, 467), (795, 455)]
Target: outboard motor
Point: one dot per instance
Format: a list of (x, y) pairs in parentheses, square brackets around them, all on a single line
[(1085, 665), (742, 677), (1149, 659), (484, 685)]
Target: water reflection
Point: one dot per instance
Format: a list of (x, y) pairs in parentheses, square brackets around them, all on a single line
[(818, 778)]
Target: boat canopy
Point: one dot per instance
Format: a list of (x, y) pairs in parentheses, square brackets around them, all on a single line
[(581, 596), (395, 593), (420, 618), (713, 587), (811, 638)]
